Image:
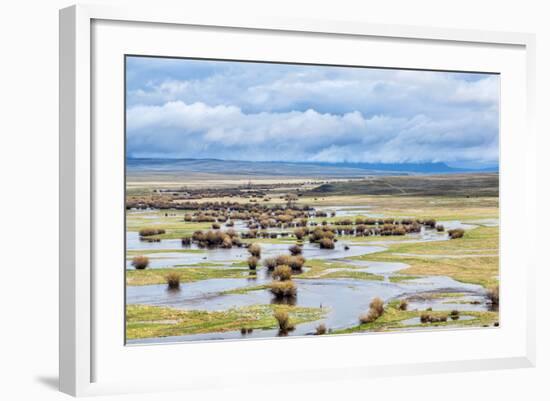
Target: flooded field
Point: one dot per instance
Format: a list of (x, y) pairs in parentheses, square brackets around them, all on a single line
[(280, 200), (334, 287)]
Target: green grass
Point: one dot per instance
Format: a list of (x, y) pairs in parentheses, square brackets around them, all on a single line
[(373, 239), (318, 267), (175, 227), (400, 279), (480, 267), (358, 275), (144, 321), (462, 185), (187, 275), (244, 290), (392, 319), (134, 252), (481, 240), (440, 208), (439, 295)]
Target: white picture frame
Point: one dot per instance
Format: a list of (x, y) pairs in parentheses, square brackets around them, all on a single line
[(83, 351)]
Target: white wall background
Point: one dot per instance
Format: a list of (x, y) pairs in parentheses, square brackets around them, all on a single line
[(29, 185)]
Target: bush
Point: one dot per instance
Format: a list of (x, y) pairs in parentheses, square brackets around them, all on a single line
[(282, 260), (283, 320), (212, 239), (140, 262), (282, 273), (186, 241), (377, 305), (425, 317), (300, 233), (321, 329), (227, 243), (232, 233), (147, 232), (367, 318), (198, 236), (252, 262), (283, 289), (173, 280), (215, 226), (376, 309), (429, 223), (454, 314), (270, 263), (399, 230), (296, 262), (456, 233), (295, 250), (326, 243), (255, 250), (403, 304), (440, 228), (493, 295), (429, 318), (320, 233)]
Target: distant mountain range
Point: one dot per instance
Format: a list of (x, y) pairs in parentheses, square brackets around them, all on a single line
[(278, 168)]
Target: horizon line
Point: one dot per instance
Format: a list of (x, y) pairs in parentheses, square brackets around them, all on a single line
[(495, 165)]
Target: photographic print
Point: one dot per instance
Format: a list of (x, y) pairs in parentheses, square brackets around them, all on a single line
[(268, 200)]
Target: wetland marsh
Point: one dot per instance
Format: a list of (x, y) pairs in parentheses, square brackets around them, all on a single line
[(397, 249), (268, 200)]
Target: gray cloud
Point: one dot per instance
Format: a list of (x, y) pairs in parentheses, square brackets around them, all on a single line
[(272, 112)]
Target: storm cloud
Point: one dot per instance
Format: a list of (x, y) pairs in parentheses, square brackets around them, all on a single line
[(268, 112)]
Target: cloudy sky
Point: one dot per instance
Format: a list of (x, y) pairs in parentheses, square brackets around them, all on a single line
[(277, 112)]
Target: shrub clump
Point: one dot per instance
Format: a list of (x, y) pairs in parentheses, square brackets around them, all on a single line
[(454, 314), (326, 243), (282, 273), (270, 263), (255, 250), (319, 233), (147, 232), (252, 262), (403, 304), (376, 309), (321, 329), (456, 233), (429, 318), (283, 289), (300, 233), (173, 280), (493, 295), (213, 239), (282, 260), (295, 250), (296, 262), (140, 262), (429, 223), (440, 228), (283, 320)]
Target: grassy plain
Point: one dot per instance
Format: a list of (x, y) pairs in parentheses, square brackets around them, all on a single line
[(143, 321), (187, 275), (471, 259), (393, 317)]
